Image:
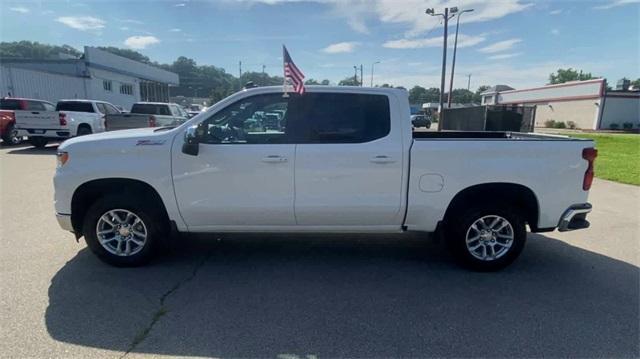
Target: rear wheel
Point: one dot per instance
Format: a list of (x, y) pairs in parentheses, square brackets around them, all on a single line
[(38, 142), (10, 136), (486, 238), (123, 231), (84, 130)]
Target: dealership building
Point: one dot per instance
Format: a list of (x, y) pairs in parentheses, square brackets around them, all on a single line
[(586, 103), (97, 75)]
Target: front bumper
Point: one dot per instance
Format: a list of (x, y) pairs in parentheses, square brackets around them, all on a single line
[(575, 217), (64, 221)]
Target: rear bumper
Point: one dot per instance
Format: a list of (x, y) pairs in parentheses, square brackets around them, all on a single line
[(575, 217), (64, 220), (50, 133)]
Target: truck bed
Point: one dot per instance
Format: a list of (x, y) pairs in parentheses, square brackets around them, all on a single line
[(489, 135)]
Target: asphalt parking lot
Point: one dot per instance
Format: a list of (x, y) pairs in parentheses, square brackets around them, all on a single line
[(573, 294)]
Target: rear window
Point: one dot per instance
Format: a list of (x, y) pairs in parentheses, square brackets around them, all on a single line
[(150, 109), (10, 104), (343, 118), (75, 106)]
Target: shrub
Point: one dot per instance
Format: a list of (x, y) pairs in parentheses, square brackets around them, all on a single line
[(627, 125), (614, 126), (549, 123), (571, 125), (559, 124)]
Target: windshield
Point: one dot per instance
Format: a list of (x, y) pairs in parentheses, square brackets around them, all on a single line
[(10, 104)]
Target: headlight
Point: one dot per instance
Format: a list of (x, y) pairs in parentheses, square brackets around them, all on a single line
[(62, 157)]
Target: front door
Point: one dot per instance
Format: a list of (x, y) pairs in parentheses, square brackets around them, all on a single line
[(242, 178)]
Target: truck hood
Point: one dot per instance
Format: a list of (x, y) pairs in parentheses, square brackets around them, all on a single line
[(119, 140)]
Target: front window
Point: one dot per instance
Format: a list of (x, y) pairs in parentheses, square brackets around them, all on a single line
[(256, 119)]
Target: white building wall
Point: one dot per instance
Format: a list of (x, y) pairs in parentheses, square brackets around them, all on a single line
[(565, 91), (40, 85), (97, 91), (620, 110)]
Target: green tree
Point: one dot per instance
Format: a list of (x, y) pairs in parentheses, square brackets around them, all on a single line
[(463, 96), (325, 82), (349, 81), (35, 50), (311, 82), (566, 75), (420, 95), (636, 84)]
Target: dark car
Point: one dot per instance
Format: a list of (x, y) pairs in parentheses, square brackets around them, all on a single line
[(420, 121)]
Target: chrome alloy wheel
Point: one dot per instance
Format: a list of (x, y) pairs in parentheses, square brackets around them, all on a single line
[(489, 237), (121, 232)]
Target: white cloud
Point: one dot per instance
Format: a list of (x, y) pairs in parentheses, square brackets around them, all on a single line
[(124, 28), (83, 23), (504, 56), (175, 30), (500, 46), (555, 32), (340, 47), (140, 42), (615, 3), (20, 9), (131, 21), (463, 41), (555, 12), (180, 5)]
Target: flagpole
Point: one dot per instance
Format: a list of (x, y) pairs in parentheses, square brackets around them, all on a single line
[(284, 75)]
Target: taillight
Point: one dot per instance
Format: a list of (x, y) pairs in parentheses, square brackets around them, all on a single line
[(590, 155), (152, 121), (63, 118)]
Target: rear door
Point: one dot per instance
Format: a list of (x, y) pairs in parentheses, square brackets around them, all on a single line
[(349, 165), (37, 117)]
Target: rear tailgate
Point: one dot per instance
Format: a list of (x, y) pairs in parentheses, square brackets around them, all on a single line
[(37, 120), (127, 121)]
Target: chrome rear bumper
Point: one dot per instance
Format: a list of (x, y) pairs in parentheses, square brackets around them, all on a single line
[(575, 218)]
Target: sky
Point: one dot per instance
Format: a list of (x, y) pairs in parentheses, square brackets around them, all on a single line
[(513, 42)]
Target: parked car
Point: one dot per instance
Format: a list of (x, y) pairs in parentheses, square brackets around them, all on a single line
[(8, 107), (148, 114), (68, 119), (420, 121), (344, 160)]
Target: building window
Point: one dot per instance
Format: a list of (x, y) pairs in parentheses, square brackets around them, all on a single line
[(126, 89), (106, 84)]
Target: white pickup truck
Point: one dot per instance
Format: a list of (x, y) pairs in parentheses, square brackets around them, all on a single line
[(69, 119), (343, 159)]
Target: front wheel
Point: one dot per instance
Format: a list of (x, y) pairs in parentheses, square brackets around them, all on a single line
[(487, 238), (123, 231)]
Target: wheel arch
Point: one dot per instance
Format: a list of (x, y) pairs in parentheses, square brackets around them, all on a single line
[(89, 192), (517, 195)]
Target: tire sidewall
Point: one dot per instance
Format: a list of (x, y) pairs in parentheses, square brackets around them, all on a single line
[(83, 131), (146, 214), (9, 138), (457, 233)]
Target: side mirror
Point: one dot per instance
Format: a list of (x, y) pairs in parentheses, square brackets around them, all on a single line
[(191, 145)]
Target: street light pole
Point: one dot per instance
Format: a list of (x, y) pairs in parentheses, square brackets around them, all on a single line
[(445, 18), (355, 76), (453, 65), (372, 65)]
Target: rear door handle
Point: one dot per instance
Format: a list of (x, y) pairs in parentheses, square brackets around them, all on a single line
[(274, 159), (382, 159)]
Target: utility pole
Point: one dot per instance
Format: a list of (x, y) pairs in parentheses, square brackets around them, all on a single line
[(372, 65), (469, 82), (445, 18), (263, 67), (453, 65), (361, 77), (355, 76), (239, 70)]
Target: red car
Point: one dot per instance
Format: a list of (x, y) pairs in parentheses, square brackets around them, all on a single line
[(8, 105)]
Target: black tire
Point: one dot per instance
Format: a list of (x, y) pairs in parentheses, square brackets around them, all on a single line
[(84, 130), (10, 137), (151, 218), (38, 142), (461, 223)]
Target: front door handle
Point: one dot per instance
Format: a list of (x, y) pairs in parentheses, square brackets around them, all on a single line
[(382, 159), (274, 159)]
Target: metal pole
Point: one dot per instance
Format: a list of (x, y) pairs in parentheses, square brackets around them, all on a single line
[(372, 65), (361, 77), (355, 76), (469, 82), (453, 65), (444, 68)]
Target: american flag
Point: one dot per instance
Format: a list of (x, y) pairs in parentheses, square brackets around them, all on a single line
[(292, 72)]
